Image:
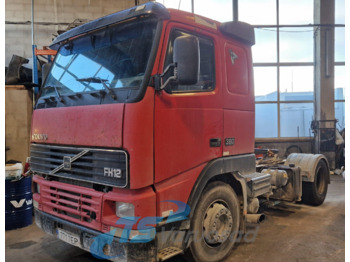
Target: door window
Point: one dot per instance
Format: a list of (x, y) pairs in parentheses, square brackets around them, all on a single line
[(206, 80)]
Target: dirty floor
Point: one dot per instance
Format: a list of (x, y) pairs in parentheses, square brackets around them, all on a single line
[(291, 232)]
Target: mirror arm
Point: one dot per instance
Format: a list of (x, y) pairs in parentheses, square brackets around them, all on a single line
[(171, 78)]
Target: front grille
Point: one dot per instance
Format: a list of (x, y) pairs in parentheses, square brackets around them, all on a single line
[(97, 166), (79, 205)]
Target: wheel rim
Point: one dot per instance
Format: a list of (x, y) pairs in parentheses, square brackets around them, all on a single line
[(217, 223)]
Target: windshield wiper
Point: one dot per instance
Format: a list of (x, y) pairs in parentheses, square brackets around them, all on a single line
[(58, 95), (99, 80)]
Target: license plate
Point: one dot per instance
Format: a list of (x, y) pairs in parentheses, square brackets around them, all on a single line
[(68, 237)]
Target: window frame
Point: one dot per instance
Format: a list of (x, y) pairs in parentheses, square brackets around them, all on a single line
[(204, 37), (278, 27)]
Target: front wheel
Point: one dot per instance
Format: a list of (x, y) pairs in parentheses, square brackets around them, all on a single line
[(314, 193), (215, 223)]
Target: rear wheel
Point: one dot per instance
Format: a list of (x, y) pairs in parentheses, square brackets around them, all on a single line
[(215, 223), (314, 193)]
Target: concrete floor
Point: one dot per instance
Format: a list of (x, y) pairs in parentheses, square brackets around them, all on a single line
[(291, 232)]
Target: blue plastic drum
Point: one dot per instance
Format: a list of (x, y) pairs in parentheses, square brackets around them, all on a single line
[(18, 203)]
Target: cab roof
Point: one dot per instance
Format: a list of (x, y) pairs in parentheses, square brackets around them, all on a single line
[(146, 9), (237, 30)]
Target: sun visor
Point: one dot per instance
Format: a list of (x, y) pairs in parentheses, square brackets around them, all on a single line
[(240, 31), (146, 9)]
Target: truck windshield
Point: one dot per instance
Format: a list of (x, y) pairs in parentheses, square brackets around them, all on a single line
[(106, 60)]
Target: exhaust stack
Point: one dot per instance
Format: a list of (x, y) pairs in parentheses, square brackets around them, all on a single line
[(255, 218)]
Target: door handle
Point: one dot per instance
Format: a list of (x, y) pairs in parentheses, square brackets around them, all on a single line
[(215, 142)]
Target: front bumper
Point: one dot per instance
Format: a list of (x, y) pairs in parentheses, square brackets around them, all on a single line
[(95, 242)]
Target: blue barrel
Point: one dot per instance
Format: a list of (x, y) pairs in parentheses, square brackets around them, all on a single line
[(18, 203)]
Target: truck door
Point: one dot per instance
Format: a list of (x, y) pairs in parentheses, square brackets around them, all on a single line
[(188, 119)]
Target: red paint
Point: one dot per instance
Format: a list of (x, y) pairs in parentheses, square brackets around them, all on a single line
[(103, 204), (185, 122), (183, 139), (238, 80), (95, 125), (234, 128), (138, 140), (167, 136), (52, 193), (176, 188), (238, 102)]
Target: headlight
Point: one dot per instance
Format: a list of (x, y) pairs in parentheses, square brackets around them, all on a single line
[(124, 209)]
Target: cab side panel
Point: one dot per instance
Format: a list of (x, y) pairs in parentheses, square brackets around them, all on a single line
[(238, 98), (185, 122)]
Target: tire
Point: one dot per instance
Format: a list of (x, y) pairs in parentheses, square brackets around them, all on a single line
[(217, 212), (314, 193)]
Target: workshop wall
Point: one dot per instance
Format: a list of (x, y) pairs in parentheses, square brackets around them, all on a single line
[(53, 13), (18, 117)]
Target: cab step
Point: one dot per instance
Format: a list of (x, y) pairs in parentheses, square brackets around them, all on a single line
[(168, 252)]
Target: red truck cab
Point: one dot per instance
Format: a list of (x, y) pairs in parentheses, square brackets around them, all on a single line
[(142, 110)]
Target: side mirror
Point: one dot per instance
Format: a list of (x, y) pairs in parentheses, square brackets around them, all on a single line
[(186, 57)]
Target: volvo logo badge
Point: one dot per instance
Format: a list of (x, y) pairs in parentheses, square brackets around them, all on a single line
[(67, 163)]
